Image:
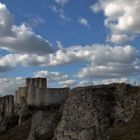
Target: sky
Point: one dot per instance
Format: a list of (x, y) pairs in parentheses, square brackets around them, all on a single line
[(72, 43)]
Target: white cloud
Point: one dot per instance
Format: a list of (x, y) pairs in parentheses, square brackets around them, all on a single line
[(60, 12), (104, 60), (93, 81), (84, 22), (10, 85), (84, 83), (34, 21), (62, 2), (51, 76), (96, 7), (120, 38), (122, 16), (8, 62), (59, 45), (109, 81), (108, 62), (68, 83), (21, 38), (61, 79)]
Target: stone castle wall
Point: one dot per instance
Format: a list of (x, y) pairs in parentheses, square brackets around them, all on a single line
[(36, 93), (21, 92), (56, 95)]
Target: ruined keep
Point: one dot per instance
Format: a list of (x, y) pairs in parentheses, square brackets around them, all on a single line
[(36, 93)]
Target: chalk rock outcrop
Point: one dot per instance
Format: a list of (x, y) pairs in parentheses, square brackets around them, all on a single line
[(44, 123), (8, 118), (24, 111), (90, 111)]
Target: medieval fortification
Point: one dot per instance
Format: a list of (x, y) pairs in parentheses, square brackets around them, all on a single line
[(36, 93)]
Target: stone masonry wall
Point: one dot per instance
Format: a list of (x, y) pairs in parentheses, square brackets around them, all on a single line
[(56, 95), (36, 93), (21, 92), (46, 96)]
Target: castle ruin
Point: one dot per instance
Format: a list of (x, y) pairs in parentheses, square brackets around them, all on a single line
[(36, 93)]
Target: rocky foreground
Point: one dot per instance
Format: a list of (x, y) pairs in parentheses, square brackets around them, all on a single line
[(106, 112)]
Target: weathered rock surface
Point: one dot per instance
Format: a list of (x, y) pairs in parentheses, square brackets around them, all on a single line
[(8, 118), (20, 132), (44, 123), (90, 111), (6, 106), (24, 111)]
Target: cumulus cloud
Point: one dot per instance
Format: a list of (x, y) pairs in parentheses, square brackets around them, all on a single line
[(59, 45), (32, 50), (113, 80), (105, 81), (120, 38), (84, 22), (96, 7), (20, 38), (84, 83), (61, 13), (8, 62), (68, 83), (62, 2), (10, 85), (51, 76), (103, 60), (62, 79), (34, 21), (121, 15), (111, 62)]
